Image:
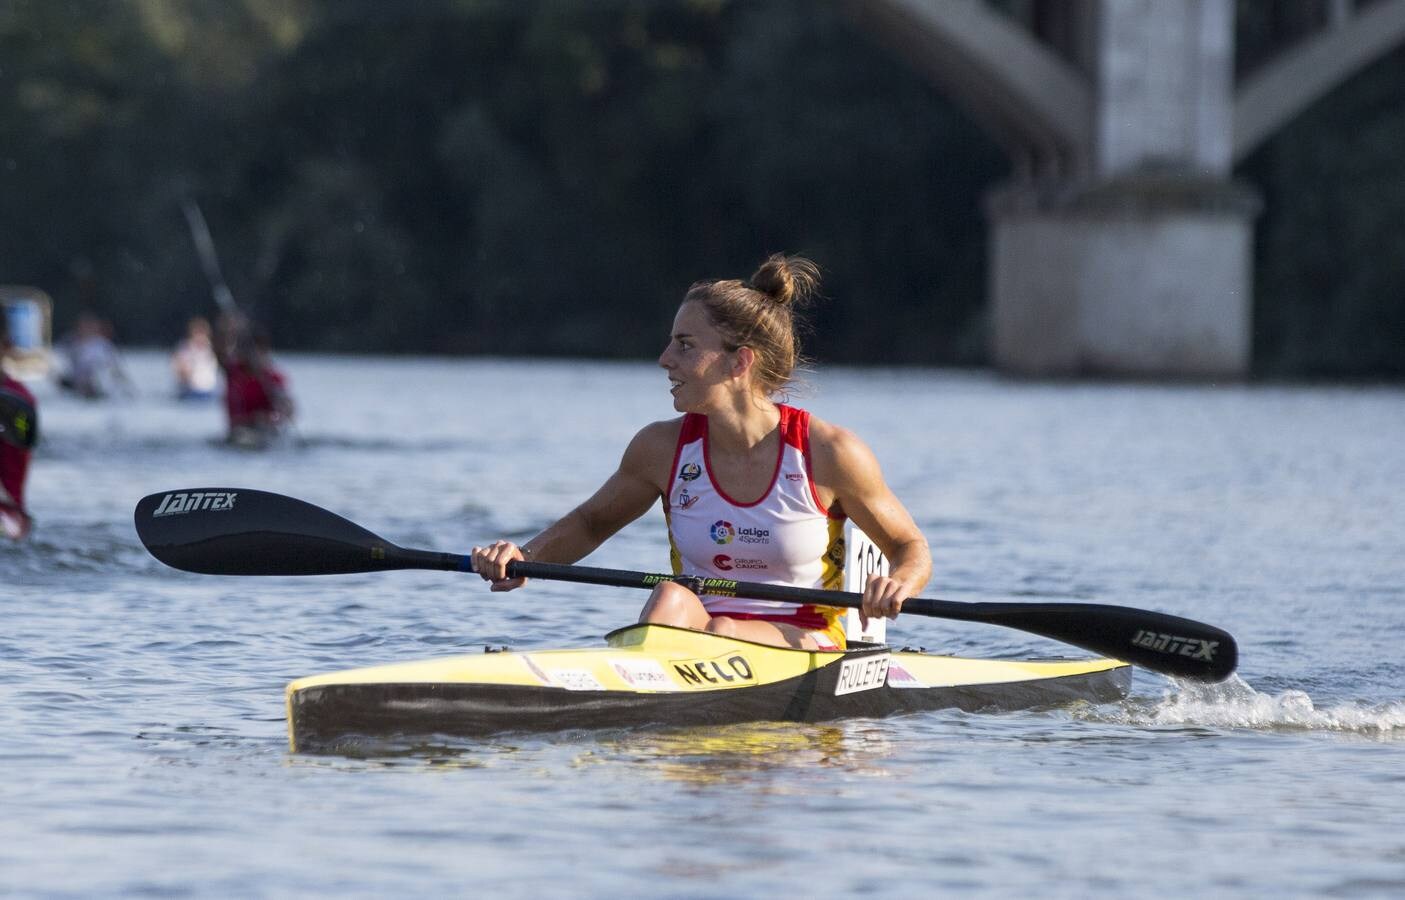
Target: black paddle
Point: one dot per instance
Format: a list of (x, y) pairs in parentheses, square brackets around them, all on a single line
[(19, 422), (237, 531)]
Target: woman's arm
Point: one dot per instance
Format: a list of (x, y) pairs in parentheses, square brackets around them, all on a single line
[(625, 496), (847, 468)]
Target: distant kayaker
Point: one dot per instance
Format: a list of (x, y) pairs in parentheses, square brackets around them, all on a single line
[(752, 489), (194, 364), (17, 436), (256, 399), (93, 367)]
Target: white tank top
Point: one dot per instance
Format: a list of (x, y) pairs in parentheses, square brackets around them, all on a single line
[(785, 537)]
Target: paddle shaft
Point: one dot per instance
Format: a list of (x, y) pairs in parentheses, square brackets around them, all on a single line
[(209, 260), (239, 531), (1156, 641)]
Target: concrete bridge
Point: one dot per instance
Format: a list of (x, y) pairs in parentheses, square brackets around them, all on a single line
[(1122, 244)]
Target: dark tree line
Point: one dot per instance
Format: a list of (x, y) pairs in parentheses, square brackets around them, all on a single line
[(548, 177)]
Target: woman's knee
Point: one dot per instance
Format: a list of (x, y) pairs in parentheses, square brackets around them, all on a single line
[(668, 594), (672, 604), (723, 626)]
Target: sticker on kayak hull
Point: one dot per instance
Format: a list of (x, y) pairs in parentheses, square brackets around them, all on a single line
[(898, 677), (863, 674), (575, 680), (536, 670), (643, 674), (570, 679)]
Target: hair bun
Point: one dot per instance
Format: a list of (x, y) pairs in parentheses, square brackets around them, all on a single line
[(787, 280)]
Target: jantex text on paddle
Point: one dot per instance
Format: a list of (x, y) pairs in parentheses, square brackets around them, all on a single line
[(193, 501), (1174, 645)]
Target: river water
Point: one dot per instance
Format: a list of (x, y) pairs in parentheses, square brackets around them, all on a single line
[(141, 720)]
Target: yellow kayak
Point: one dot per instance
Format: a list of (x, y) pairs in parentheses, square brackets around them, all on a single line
[(660, 675)]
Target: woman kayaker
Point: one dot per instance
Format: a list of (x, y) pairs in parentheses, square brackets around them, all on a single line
[(752, 489), (18, 433)]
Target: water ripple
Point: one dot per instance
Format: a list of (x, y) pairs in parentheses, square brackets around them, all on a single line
[(1235, 704)]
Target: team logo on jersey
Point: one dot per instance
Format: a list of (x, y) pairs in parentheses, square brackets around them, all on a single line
[(754, 535), (724, 563), (722, 531), (686, 500), (794, 476), (689, 471)]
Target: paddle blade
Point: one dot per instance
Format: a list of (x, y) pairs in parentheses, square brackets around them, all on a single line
[(238, 531), (1171, 645)]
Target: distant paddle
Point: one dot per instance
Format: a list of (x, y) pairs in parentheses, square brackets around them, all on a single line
[(209, 260), (237, 531), (19, 422)]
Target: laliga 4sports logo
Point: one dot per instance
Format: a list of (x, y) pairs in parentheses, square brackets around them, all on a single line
[(722, 531)]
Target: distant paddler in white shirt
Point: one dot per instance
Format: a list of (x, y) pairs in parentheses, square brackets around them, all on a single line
[(752, 489), (194, 364), (94, 368)]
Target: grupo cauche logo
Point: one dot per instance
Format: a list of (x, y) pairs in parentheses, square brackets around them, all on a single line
[(722, 531), (724, 563)]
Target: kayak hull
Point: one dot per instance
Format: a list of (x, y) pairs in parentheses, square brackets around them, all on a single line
[(657, 675)]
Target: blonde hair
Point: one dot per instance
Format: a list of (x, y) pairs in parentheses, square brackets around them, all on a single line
[(760, 313)]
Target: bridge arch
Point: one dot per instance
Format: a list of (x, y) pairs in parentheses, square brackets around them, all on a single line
[(1274, 94), (1122, 245), (1035, 105)]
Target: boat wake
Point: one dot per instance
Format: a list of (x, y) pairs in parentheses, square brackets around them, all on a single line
[(1236, 704)]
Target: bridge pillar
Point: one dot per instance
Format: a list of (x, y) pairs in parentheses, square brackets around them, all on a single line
[(1147, 275), (1139, 263)]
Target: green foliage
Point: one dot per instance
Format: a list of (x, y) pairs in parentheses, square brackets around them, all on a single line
[(489, 176), (496, 176)]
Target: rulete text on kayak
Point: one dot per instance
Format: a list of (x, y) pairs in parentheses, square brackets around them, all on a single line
[(864, 674)]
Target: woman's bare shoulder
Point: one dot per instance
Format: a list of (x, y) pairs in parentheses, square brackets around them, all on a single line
[(827, 437), (838, 452), (650, 453), (659, 435)]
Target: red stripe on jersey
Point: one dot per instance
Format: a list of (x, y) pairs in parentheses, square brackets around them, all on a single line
[(802, 418), (804, 617), (775, 473), (693, 427)]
